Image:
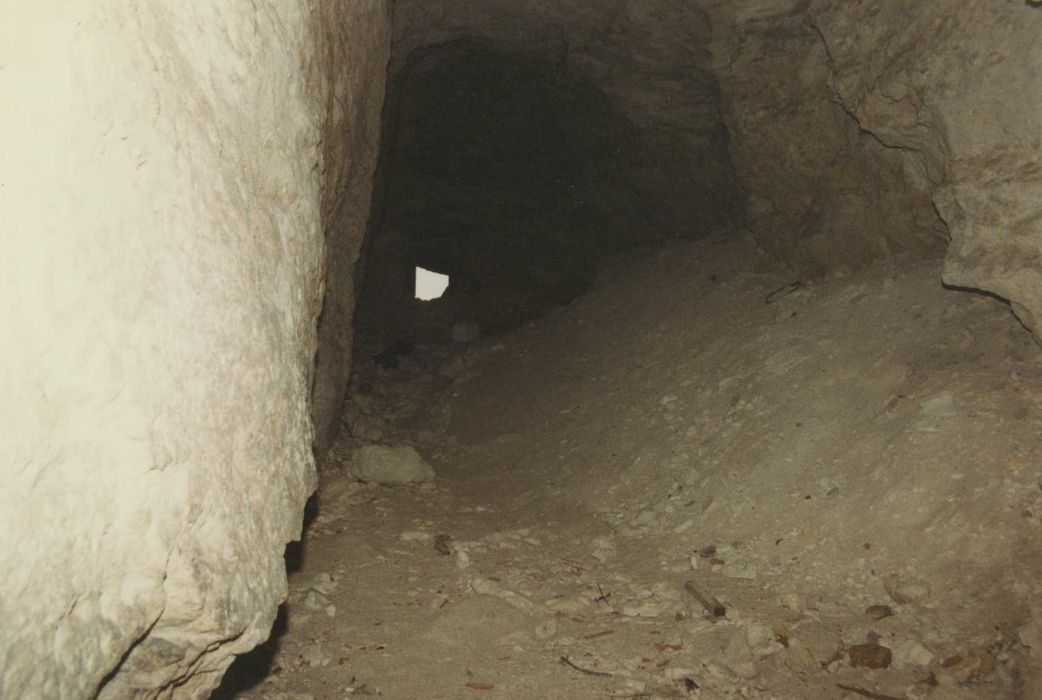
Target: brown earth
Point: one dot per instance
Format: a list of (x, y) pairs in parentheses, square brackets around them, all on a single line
[(853, 465)]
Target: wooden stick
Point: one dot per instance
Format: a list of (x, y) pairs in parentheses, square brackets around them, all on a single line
[(567, 662), (713, 606)]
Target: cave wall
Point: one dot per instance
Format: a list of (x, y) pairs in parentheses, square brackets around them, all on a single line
[(353, 51), (861, 129), (161, 250)]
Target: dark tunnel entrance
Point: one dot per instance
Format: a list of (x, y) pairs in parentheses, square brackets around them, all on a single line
[(502, 174), (512, 177)]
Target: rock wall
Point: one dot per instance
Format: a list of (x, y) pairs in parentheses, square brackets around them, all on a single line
[(161, 250), (354, 48), (860, 129)]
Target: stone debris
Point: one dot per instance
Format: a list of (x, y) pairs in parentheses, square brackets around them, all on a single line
[(314, 656), (570, 605), (912, 653), (740, 569), (878, 612), (869, 656), (801, 607), (443, 545), (397, 465), (794, 604), (650, 608), (738, 658), (603, 549), (485, 586), (762, 640), (963, 669), (905, 590)]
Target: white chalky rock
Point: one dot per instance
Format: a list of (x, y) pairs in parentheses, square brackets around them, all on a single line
[(911, 653), (761, 639)]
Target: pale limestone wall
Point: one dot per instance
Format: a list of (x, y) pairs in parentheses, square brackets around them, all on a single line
[(160, 250), (860, 129), (954, 88)]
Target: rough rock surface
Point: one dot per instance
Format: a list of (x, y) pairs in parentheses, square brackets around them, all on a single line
[(389, 465), (161, 254), (354, 41), (865, 436), (852, 122)]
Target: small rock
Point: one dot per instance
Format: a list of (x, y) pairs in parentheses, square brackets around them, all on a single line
[(462, 559), (484, 586), (707, 551), (546, 630), (683, 527), (414, 536), (324, 583), (677, 673), (1030, 633), (603, 549), (878, 612), (443, 545), (740, 569), (465, 332), (804, 655), (911, 653), (316, 600), (870, 656), (570, 605), (650, 608), (389, 465), (794, 604), (314, 656), (761, 640), (634, 686), (964, 669), (738, 658), (646, 518), (904, 590)]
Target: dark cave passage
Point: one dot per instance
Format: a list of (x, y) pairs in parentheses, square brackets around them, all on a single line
[(513, 177)]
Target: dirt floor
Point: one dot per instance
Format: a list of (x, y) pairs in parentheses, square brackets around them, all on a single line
[(850, 471)]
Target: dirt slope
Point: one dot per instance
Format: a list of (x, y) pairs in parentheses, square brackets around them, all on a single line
[(869, 440)]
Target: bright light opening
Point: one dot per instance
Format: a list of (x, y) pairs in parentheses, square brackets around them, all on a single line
[(430, 285)]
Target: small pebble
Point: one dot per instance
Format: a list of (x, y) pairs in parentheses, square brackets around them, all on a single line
[(870, 656), (903, 590), (878, 612)]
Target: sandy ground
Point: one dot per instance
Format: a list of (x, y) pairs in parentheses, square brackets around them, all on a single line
[(850, 471)]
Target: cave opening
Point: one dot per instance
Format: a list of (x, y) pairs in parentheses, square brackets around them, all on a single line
[(699, 406), (513, 177)]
